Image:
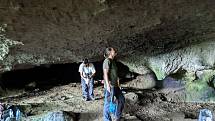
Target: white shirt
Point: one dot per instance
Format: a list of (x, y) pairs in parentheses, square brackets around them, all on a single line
[(87, 70)]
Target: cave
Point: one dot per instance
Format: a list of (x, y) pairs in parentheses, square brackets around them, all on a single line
[(165, 56), (43, 75), (46, 76)]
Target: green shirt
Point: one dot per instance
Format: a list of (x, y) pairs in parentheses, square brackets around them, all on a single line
[(110, 65)]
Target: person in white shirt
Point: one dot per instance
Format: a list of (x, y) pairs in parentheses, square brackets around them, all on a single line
[(87, 72)]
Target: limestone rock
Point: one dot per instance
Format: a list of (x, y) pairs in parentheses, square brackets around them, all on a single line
[(57, 116), (146, 81), (131, 97), (67, 31)]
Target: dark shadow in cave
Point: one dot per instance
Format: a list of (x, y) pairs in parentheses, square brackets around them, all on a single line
[(176, 77), (124, 73), (47, 76)]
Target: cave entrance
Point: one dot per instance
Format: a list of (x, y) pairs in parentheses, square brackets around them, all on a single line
[(46, 76), (42, 77)]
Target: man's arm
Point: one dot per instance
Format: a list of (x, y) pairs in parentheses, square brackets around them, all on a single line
[(93, 74), (106, 79), (93, 71), (118, 82), (81, 74)]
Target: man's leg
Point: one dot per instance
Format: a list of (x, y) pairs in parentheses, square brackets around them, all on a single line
[(120, 103), (91, 83), (84, 88), (106, 112)]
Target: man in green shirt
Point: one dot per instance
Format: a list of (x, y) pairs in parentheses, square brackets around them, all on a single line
[(112, 85)]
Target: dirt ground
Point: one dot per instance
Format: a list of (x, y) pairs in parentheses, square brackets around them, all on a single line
[(150, 105)]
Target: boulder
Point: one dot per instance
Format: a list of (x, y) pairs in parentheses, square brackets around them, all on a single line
[(146, 81)]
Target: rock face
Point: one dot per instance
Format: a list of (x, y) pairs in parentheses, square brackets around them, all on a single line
[(69, 30), (131, 97), (193, 64), (55, 116), (5, 43), (173, 90), (163, 37)]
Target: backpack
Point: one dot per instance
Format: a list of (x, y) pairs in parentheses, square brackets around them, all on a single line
[(12, 113), (205, 115)]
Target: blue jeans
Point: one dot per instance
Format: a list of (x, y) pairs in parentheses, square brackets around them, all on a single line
[(120, 101), (87, 90)]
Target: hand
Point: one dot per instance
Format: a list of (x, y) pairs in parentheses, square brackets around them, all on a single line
[(91, 76), (108, 88), (120, 87), (87, 81), (85, 76)]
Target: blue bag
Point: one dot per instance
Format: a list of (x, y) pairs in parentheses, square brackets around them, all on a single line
[(112, 106), (205, 115), (12, 113), (7, 113), (18, 115)]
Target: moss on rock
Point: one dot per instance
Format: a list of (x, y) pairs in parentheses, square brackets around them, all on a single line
[(199, 90)]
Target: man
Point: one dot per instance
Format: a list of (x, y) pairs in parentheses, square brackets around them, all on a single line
[(112, 85), (87, 72)]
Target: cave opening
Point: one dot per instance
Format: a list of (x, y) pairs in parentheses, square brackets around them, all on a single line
[(42, 76), (46, 76)]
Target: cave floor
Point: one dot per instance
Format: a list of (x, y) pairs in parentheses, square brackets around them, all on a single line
[(68, 98)]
